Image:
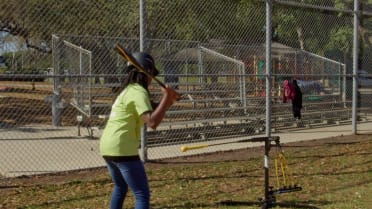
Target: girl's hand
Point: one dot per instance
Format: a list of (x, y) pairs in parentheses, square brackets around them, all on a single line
[(171, 94)]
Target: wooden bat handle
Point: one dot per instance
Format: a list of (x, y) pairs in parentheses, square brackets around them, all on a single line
[(131, 59), (127, 56)]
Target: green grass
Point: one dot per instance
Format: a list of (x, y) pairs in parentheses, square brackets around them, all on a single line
[(335, 174)]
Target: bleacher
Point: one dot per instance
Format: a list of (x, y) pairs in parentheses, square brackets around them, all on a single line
[(219, 100), (211, 115), (94, 106)]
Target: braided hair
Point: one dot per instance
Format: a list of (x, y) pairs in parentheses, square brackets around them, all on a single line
[(133, 76)]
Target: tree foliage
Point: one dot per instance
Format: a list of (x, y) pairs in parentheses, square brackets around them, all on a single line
[(235, 21)]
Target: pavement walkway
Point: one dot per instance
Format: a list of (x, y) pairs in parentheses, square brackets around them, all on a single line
[(39, 153)]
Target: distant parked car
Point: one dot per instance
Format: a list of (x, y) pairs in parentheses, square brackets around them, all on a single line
[(36, 75), (2, 61), (365, 79), (311, 87)]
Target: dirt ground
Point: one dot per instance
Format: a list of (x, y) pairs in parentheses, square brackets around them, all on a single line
[(235, 155)]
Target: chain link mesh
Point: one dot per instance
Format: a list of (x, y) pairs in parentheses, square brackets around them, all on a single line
[(59, 72)]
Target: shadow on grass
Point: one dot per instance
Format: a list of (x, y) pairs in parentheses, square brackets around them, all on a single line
[(285, 204), (59, 203), (9, 187), (229, 203)]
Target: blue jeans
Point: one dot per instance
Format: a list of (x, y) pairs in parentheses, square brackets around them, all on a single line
[(132, 174)]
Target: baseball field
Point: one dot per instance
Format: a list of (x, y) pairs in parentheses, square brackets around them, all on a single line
[(333, 173)]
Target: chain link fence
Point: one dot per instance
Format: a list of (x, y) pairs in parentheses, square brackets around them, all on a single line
[(60, 74)]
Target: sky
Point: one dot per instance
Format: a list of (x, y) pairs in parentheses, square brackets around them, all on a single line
[(6, 45)]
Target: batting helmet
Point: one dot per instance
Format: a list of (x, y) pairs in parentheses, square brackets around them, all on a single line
[(146, 61)]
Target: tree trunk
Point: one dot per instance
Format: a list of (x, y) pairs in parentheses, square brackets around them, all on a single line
[(300, 38)]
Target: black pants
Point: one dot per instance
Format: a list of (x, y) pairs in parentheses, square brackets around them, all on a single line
[(296, 111)]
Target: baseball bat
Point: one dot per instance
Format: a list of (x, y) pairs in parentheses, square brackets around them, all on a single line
[(128, 56), (185, 148)]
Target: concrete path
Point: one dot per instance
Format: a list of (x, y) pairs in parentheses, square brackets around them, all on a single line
[(33, 151)]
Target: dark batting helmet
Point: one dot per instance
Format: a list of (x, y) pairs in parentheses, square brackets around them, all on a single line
[(146, 61)]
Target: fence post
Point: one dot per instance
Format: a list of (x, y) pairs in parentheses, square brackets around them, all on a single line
[(56, 97), (268, 66), (142, 20), (355, 66)]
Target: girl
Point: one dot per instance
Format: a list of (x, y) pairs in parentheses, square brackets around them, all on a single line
[(120, 139)]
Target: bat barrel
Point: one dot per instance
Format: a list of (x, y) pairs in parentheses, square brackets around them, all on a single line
[(191, 147)]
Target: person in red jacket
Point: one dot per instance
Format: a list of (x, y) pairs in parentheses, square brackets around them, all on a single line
[(293, 92), (297, 100), (288, 91)]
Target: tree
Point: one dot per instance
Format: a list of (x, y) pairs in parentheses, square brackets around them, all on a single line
[(34, 21)]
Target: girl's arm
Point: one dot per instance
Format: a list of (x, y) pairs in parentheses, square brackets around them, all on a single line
[(153, 119)]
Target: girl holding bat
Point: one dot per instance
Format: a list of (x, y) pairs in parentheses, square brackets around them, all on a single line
[(120, 139)]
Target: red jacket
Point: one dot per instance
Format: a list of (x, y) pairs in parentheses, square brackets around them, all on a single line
[(289, 92)]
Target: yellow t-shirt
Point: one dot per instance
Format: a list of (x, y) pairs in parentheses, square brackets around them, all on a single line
[(122, 134)]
